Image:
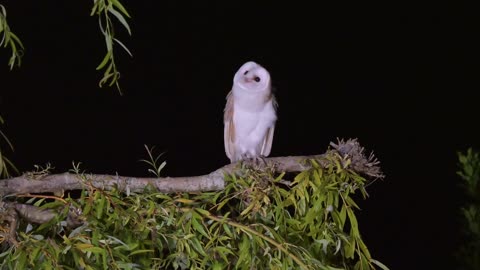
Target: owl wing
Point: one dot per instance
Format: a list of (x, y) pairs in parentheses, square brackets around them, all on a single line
[(267, 142), (229, 128)]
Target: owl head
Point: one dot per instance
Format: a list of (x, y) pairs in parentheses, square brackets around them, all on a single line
[(252, 77)]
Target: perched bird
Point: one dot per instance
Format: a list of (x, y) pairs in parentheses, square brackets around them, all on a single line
[(250, 114)]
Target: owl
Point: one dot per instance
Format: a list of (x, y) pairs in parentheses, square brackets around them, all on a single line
[(250, 114)]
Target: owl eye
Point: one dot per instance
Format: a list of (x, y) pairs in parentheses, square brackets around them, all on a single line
[(245, 73), (257, 79)]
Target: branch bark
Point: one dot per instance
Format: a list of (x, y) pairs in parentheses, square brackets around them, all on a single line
[(213, 181)]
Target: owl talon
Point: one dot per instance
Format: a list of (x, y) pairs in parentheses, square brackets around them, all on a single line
[(249, 161), (262, 158), (256, 162)]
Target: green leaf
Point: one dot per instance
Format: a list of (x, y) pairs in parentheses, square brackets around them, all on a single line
[(203, 211), (105, 60), (364, 249), (379, 264), (349, 249), (244, 252), (218, 266), (185, 201), (199, 228), (87, 208), (16, 39), (227, 230), (96, 250), (34, 254), (163, 197), (316, 177), (94, 8), (280, 177), (300, 177), (107, 76), (120, 18), (108, 42), (7, 252), (351, 202), (119, 5), (197, 246), (223, 251), (100, 207), (222, 204), (343, 215), (21, 261), (141, 251), (353, 223), (250, 207)]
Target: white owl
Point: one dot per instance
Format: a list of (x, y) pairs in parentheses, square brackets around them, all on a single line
[(250, 114)]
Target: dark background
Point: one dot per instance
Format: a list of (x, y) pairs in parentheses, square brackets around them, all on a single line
[(403, 79)]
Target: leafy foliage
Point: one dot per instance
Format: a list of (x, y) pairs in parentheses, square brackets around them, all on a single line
[(153, 162), (259, 221), (468, 254), (105, 9), (8, 38), (5, 164)]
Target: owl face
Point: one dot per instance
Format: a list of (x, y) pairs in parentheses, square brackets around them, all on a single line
[(252, 77)]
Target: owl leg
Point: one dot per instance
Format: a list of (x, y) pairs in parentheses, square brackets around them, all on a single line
[(259, 162), (256, 162), (249, 160), (245, 156), (253, 162)]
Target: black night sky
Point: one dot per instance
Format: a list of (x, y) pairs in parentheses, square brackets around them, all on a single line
[(403, 79)]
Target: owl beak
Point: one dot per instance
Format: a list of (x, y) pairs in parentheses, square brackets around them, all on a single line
[(248, 79)]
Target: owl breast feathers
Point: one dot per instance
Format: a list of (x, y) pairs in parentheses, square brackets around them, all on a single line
[(250, 114)]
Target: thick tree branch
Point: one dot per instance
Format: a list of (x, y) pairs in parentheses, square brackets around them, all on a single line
[(212, 181)]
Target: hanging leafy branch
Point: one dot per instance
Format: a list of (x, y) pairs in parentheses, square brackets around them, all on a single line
[(5, 164), (104, 9), (9, 39)]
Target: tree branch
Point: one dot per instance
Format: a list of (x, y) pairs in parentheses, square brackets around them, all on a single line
[(213, 181)]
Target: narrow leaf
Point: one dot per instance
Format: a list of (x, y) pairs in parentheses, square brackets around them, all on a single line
[(119, 5), (379, 264), (129, 53), (199, 227), (120, 18), (105, 60)]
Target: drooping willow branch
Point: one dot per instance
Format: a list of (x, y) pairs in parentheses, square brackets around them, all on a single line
[(106, 10), (5, 163), (350, 150), (9, 39)]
